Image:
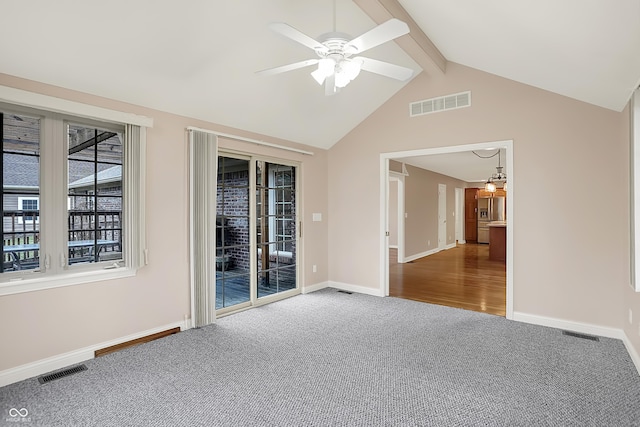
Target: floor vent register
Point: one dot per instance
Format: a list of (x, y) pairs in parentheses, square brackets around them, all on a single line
[(61, 374), (583, 336)]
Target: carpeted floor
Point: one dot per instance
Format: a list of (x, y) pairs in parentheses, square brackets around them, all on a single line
[(334, 359)]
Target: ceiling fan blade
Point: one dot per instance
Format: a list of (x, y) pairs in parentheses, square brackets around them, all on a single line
[(384, 32), (296, 35), (288, 67), (384, 68), (330, 85)]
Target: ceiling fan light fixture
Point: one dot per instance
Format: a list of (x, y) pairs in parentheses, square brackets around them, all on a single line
[(346, 71), (342, 79), (318, 76), (326, 67), (351, 68)]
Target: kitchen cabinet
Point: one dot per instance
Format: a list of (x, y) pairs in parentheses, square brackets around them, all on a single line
[(498, 241), (471, 214), (498, 193)]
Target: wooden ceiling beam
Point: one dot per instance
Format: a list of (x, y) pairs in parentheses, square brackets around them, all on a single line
[(416, 44)]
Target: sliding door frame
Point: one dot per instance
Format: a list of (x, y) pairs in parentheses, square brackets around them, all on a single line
[(254, 300), (252, 188)]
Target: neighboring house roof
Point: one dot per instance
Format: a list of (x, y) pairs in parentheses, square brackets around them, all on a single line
[(20, 171), (21, 144), (23, 172), (111, 175)]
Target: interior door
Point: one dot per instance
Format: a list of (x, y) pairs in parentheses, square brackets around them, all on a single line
[(459, 216), (442, 216)]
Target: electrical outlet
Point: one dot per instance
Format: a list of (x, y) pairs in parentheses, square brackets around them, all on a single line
[(630, 316), (428, 242), (315, 268)]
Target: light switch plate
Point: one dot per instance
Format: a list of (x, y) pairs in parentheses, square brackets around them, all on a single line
[(317, 217)]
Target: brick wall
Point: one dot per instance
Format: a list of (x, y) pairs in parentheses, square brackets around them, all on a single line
[(233, 196)]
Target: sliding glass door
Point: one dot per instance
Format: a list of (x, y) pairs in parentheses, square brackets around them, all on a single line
[(256, 232), (276, 227), (233, 268)]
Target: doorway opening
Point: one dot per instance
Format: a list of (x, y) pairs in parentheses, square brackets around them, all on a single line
[(396, 214), (507, 265)]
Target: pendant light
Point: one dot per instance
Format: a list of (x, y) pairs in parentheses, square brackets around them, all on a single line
[(499, 176)]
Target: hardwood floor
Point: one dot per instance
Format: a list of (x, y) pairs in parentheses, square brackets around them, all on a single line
[(462, 277)]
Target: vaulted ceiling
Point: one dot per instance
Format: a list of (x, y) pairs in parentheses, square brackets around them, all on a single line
[(199, 58)]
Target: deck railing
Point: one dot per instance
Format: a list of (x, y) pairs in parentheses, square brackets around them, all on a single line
[(23, 227), (20, 228)]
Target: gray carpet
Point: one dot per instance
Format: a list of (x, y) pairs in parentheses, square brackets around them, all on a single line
[(333, 359)]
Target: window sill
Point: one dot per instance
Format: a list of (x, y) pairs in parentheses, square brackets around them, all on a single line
[(22, 284)]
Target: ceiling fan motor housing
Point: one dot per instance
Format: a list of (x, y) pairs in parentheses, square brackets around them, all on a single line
[(336, 46)]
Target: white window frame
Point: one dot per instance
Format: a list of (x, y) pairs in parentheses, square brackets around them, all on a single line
[(21, 201), (273, 237), (54, 272)]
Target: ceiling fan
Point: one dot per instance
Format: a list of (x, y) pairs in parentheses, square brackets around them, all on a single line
[(338, 54)]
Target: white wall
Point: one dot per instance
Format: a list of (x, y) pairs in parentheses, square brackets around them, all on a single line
[(421, 204), (565, 265), (42, 324)]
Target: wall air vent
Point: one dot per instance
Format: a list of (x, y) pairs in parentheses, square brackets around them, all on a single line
[(442, 103)]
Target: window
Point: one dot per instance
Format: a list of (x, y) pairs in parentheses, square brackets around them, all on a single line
[(21, 188), (29, 208), (91, 175), (94, 172)]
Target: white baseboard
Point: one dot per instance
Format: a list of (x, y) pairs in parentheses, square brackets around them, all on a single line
[(43, 366), (356, 288), (316, 287), (583, 328), (427, 253), (421, 255), (635, 357)]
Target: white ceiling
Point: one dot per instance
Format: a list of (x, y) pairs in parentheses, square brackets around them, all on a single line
[(464, 165), (584, 49), (199, 58)]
